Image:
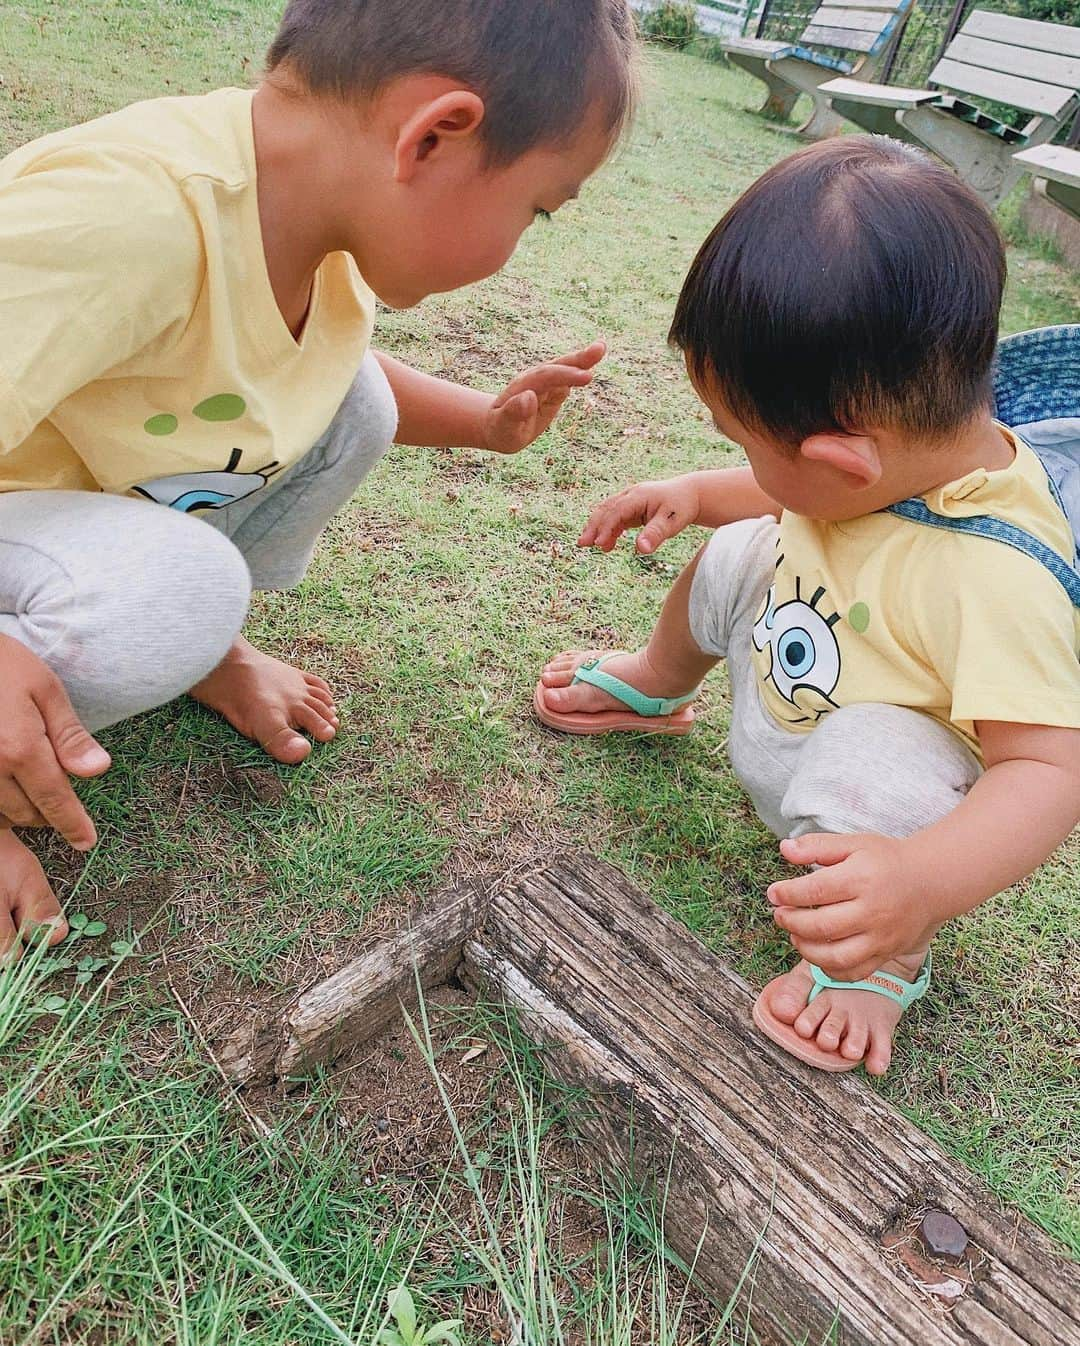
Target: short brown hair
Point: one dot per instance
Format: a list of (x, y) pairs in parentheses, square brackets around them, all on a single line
[(540, 65), (856, 285)]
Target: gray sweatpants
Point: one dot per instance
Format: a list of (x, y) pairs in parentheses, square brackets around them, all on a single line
[(864, 768), (131, 603)]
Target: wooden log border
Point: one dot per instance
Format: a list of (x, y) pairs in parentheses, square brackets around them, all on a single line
[(757, 1153)]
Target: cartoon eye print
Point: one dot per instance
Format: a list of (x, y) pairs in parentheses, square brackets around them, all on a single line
[(804, 655), (190, 491)]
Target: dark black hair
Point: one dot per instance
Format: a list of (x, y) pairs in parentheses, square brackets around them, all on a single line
[(540, 66), (856, 285)]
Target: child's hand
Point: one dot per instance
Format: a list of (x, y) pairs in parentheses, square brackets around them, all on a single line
[(865, 906), (664, 507), (41, 743), (527, 406)]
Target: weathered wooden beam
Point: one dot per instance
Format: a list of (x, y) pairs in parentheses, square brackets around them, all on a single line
[(754, 1149), (360, 1000)]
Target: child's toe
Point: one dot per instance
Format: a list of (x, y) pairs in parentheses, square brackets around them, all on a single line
[(285, 744), (832, 1030), (855, 1041), (811, 1019), (789, 997), (314, 720), (557, 677), (880, 1053)]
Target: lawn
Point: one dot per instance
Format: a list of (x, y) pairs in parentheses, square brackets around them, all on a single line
[(131, 1187)]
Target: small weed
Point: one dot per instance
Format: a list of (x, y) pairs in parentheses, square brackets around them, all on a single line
[(408, 1331), (82, 927)]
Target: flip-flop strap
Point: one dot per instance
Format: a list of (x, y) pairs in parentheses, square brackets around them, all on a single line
[(646, 706), (905, 993)]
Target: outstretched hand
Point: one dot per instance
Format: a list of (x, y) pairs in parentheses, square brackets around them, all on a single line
[(865, 905), (660, 508), (528, 405)]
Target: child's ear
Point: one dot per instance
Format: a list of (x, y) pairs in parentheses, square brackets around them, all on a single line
[(452, 116), (856, 456)]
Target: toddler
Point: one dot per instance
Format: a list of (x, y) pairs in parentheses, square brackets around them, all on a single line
[(892, 581)]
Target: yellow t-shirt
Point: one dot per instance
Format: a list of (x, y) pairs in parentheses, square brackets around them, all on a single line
[(884, 609), (141, 347)]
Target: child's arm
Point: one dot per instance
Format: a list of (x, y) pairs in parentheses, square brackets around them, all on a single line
[(436, 413), (877, 897), (663, 508)]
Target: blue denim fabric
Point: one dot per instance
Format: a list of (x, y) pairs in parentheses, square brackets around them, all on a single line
[(1037, 376), (1057, 444), (984, 525), (1036, 394)]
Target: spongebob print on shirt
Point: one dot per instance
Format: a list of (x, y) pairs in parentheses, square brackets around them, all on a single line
[(192, 491), (799, 653)]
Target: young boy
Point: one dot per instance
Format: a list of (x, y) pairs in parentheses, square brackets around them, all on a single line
[(187, 293), (905, 697)]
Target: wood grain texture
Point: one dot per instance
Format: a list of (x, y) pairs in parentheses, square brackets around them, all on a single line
[(360, 1000), (762, 1151), (1029, 95), (1034, 34)]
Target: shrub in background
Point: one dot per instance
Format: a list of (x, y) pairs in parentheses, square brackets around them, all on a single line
[(672, 22)]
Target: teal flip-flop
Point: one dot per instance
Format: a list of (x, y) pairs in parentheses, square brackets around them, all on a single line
[(905, 993), (649, 714)]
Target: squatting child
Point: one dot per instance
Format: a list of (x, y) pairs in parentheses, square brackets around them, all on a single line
[(892, 582), (187, 394)]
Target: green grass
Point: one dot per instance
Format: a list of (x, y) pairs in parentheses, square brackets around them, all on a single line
[(146, 1211), (430, 607)]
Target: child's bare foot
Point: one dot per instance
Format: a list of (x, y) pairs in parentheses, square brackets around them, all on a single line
[(269, 701), (564, 696), (26, 900), (858, 1025)]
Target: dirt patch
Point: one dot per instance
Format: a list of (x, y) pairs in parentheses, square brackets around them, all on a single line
[(385, 1099)]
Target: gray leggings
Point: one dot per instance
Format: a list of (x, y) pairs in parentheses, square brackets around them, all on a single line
[(865, 768), (131, 603)]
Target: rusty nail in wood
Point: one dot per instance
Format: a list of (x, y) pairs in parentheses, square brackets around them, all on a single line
[(942, 1235)]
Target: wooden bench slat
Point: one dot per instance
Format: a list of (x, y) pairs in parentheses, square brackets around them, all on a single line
[(845, 38), (830, 17), (1040, 66), (892, 6), (1052, 161), (881, 95), (1029, 33), (1049, 99), (757, 46)]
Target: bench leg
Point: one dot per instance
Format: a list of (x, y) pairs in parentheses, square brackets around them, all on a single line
[(1064, 196), (780, 103), (807, 78), (984, 162), (823, 121)]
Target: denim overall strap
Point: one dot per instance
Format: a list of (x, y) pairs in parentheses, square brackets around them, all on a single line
[(982, 525)]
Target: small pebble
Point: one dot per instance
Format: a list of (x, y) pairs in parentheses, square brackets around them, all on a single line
[(942, 1235)]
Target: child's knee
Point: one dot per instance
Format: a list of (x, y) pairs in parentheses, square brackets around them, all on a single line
[(877, 768), (366, 422), (732, 575), (150, 632)]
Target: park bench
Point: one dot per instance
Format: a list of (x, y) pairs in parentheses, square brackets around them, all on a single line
[(862, 31), (1028, 66), (1056, 171)]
